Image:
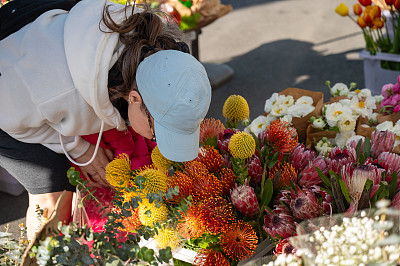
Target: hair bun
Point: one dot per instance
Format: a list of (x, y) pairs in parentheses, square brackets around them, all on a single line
[(183, 47)]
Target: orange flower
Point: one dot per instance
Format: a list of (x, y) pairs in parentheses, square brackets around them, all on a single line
[(211, 158), (131, 223), (190, 226), (357, 8), (209, 130), (361, 22), (239, 242), (287, 171), (227, 180), (185, 184), (194, 168), (216, 214), (206, 186), (378, 22), (280, 136), (209, 257)]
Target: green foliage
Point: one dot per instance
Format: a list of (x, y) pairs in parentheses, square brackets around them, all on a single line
[(11, 250), (189, 22)]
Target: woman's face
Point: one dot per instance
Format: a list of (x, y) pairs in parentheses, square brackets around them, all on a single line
[(138, 118)]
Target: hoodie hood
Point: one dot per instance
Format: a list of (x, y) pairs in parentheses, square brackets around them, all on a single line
[(91, 53)]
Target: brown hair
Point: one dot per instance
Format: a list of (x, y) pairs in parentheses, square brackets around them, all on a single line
[(142, 34)]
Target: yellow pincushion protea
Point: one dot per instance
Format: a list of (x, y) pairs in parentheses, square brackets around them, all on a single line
[(156, 180), (236, 108), (168, 237), (242, 145), (159, 160), (118, 171), (155, 215)]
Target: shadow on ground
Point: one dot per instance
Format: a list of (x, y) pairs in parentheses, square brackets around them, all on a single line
[(273, 67)]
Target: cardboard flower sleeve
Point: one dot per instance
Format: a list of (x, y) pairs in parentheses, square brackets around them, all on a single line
[(362, 128), (301, 123), (314, 135)]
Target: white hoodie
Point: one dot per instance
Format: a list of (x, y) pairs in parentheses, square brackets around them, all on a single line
[(54, 78)]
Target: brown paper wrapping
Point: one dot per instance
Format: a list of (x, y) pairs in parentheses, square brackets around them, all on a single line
[(335, 99), (365, 130), (314, 135), (301, 123)]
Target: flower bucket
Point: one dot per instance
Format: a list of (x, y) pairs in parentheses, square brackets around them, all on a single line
[(375, 76)]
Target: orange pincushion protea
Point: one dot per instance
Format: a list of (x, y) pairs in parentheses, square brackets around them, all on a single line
[(287, 171), (227, 180), (216, 214), (280, 136), (131, 223), (211, 158), (239, 241), (209, 130), (185, 184), (195, 168), (209, 257), (206, 186), (190, 226)]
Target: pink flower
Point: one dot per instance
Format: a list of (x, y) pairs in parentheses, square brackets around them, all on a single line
[(338, 157), (386, 101), (304, 204), (309, 176), (255, 170), (224, 138), (396, 201), (396, 88), (396, 99), (382, 141), (300, 157), (326, 199), (397, 108), (279, 223), (398, 79), (387, 90), (389, 161), (284, 247)]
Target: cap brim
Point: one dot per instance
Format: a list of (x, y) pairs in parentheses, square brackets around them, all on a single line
[(177, 147)]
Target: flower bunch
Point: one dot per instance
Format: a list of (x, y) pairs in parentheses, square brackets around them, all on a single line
[(285, 107), (391, 97), (370, 20)]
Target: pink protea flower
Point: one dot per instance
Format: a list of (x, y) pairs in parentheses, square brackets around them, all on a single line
[(396, 201), (279, 223), (255, 170), (353, 144), (300, 157), (389, 161), (304, 204), (378, 170), (284, 247), (226, 158), (355, 181), (326, 199), (338, 157), (382, 141), (245, 200), (309, 175), (283, 197), (224, 138)]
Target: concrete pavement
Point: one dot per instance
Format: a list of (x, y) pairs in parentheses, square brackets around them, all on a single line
[(270, 45)]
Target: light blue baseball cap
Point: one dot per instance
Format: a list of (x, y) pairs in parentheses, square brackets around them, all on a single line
[(176, 90)]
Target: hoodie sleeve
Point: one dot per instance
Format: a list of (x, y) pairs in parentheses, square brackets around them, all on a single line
[(50, 138)]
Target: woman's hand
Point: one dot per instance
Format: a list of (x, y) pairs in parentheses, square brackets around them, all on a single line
[(96, 171)]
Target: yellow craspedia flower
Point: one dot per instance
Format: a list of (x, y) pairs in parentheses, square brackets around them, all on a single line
[(154, 215), (168, 237), (155, 179), (342, 10), (159, 160), (242, 145), (119, 170), (236, 108)]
